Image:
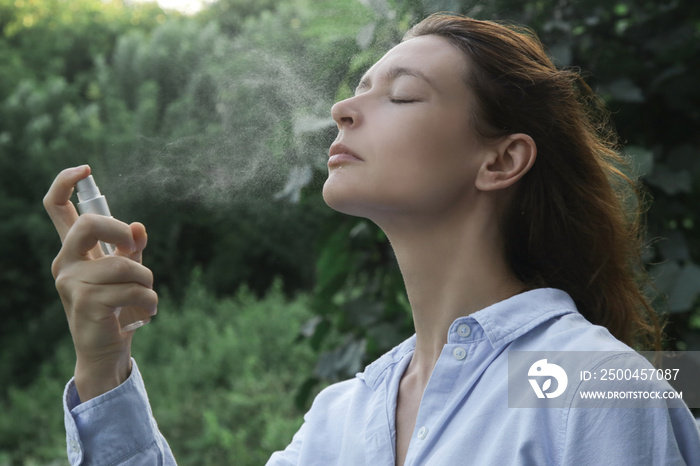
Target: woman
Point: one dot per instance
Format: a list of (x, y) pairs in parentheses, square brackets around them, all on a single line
[(496, 185)]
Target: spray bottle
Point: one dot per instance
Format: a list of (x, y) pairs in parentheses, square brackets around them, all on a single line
[(91, 201)]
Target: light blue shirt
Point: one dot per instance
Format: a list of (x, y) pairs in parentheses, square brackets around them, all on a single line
[(463, 417)]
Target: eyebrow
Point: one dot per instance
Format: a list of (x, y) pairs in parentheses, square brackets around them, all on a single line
[(394, 73)]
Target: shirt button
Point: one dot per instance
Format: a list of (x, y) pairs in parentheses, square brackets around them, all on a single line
[(459, 353), (423, 432), (463, 330)]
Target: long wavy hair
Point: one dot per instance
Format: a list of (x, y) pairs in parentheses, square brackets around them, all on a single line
[(574, 223)]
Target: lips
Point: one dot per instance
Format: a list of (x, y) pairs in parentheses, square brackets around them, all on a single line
[(339, 153)]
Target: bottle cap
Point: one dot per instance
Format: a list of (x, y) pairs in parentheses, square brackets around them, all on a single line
[(87, 189)]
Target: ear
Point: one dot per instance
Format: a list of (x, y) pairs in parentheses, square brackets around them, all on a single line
[(506, 162)]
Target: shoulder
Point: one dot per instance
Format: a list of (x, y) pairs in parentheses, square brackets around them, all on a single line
[(337, 395), (634, 427), (571, 332)]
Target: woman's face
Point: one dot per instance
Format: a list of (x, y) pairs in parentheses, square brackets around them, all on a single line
[(405, 144)]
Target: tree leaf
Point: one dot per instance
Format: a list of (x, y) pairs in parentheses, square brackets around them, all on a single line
[(685, 289), (669, 181), (623, 90), (664, 275), (674, 247)]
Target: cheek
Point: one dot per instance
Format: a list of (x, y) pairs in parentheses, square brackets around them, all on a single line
[(446, 177), (436, 149)]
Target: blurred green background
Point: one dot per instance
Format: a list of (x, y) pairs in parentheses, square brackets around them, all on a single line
[(213, 129)]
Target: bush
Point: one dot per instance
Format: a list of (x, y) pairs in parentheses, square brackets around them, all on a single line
[(221, 376)]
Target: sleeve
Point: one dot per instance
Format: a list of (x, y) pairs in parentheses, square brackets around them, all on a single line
[(639, 436), (116, 427), (644, 433)]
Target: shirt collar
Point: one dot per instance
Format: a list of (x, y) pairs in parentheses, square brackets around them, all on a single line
[(501, 322), (511, 318)]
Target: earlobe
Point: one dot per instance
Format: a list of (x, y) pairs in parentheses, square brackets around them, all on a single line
[(507, 162)]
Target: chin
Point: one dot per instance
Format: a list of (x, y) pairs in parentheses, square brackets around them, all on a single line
[(335, 199), (343, 199)]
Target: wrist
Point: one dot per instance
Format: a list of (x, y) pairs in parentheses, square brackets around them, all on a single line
[(94, 378)]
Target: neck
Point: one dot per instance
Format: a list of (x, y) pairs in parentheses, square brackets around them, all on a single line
[(452, 266)]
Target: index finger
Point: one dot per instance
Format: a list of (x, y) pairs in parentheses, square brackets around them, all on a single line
[(57, 200)]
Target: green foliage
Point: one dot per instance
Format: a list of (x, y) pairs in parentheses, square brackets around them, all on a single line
[(31, 427), (161, 108), (55, 33), (48, 121), (361, 295), (221, 376)]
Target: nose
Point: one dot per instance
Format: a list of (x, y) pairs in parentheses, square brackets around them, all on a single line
[(344, 113)]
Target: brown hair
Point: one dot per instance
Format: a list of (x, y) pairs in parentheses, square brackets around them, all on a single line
[(574, 223)]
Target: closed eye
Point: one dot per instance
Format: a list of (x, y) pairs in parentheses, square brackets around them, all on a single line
[(401, 101)]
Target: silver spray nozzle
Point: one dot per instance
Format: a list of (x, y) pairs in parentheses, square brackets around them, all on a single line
[(90, 200), (87, 189)]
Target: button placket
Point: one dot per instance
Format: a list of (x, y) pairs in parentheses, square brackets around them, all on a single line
[(434, 398)]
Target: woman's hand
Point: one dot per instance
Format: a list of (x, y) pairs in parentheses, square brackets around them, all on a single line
[(92, 286)]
